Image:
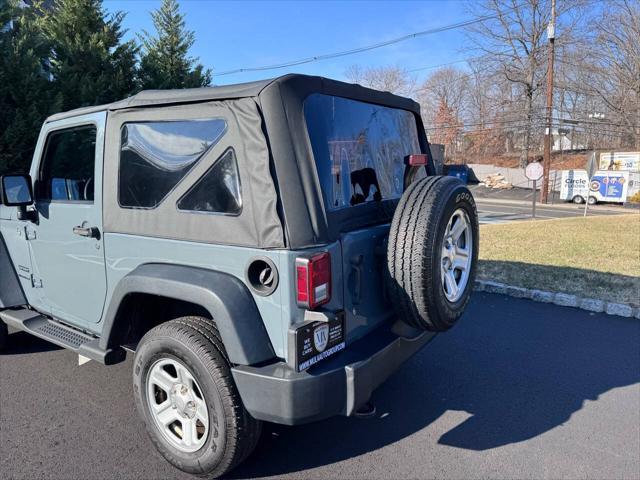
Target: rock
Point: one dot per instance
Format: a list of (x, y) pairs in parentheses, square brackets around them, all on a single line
[(495, 287), (541, 296), (562, 299), (619, 309), (565, 300), (592, 305), (517, 292)]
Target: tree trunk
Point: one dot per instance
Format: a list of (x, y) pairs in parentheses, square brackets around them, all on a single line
[(524, 158)]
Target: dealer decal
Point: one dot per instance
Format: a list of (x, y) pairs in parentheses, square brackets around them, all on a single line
[(317, 340), (321, 356)]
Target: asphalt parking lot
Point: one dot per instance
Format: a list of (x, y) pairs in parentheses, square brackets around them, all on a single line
[(515, 390)]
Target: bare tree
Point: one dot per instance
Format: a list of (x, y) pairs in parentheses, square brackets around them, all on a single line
[(599, 79), (617, 68), (514, 43), (446, 86), (486, 110), (446, 128), (389, 79)]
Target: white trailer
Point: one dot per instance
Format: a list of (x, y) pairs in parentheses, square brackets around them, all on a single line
[(605, 186)]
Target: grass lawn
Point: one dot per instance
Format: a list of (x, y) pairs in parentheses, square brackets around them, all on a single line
[(596, 257)]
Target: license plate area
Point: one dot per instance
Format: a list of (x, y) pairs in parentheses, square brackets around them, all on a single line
[(313, 341)]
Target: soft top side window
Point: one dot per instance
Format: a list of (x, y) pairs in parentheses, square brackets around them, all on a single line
[(68, 165), (218, 191), (156, 156)]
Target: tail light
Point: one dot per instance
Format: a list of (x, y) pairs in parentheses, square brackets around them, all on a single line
[(416, 159), (313, 280)]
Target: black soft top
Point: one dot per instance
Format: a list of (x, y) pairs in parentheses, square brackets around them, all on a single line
[(267, 125), (296, 82)]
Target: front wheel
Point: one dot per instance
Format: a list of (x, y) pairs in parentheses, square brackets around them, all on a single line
[(185, 393), (578, 200), (592, 200)]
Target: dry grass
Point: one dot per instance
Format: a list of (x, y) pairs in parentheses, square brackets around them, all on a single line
[(596, 257)]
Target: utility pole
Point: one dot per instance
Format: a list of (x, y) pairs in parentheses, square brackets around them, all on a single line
[(551, 34)]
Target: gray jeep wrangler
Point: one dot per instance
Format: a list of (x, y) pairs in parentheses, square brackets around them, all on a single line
[(270, 251)]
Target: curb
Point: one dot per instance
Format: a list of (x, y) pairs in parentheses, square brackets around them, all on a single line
[(558, 298)]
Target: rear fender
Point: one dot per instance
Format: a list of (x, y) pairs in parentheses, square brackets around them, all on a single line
[(224, 296)]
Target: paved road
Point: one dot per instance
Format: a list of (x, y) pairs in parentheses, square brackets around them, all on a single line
[(503, 211), (502, 206), (516, 390)]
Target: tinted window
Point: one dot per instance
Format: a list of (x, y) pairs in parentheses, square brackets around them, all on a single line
[(69, 164), (359, 148), (155, 156), (218, 190)]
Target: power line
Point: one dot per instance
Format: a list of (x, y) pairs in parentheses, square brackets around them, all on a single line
[(537, 122), (366, 48)]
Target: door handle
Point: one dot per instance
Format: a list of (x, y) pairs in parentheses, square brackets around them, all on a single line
[(89, 232)]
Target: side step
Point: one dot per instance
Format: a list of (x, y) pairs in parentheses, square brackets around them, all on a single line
[(61, 335)]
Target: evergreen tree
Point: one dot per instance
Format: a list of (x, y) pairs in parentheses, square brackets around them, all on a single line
[(26, 91), (165, 62), (89, 63)]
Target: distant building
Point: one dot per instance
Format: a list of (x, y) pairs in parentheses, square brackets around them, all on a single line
[(562, 141)]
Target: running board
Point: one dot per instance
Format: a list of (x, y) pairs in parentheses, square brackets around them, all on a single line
[(62, 335)]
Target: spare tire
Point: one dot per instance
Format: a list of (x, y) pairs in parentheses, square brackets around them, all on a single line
[(432, 253)]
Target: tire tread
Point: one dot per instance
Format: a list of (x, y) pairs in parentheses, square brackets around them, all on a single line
[(413, 249), (201, 336)]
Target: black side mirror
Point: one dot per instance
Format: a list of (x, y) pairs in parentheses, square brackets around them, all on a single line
[(16, 190)]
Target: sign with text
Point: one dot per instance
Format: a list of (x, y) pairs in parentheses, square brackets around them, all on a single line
[(629, 161), (604, 186)]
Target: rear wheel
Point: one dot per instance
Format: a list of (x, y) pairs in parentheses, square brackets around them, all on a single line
[(432, 253), (4, 335), (185, 393), (592, 200), (578, 199)]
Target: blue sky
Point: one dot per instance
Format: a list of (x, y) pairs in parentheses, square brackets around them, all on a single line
[(241, 34)]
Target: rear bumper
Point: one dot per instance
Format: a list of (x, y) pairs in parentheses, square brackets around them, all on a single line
[(336, 386)]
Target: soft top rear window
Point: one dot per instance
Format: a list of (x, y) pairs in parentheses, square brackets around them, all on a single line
[(359, 148)]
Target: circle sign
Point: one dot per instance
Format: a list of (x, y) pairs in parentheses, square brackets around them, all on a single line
[(533, 171), (595, 186)]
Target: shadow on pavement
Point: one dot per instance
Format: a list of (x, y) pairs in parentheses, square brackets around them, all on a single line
[(20, 343), (518, 369)]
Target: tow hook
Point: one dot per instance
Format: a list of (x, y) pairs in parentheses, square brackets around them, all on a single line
[(366, 410)]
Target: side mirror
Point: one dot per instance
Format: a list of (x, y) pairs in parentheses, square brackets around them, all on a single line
[(16, 190)]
